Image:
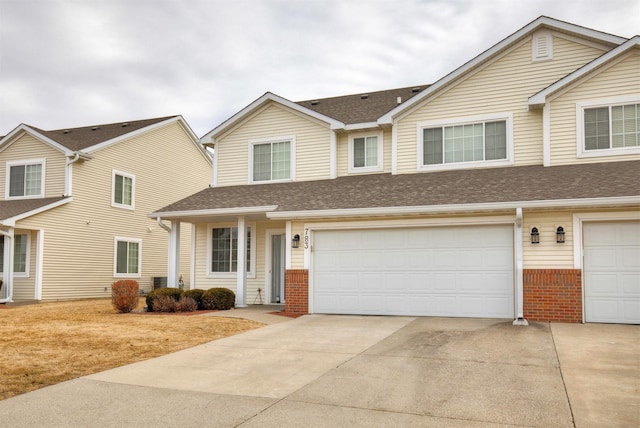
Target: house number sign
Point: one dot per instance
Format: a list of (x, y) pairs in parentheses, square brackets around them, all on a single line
[(306, 238)]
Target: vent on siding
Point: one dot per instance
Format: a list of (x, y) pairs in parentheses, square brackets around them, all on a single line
[(542, 46)]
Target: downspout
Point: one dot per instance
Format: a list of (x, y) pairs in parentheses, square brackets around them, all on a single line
[(519, 269), (162, 225), (68, 173)]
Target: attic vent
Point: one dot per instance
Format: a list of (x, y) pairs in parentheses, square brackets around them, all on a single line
[(95, 128), (315, 102), (364, 96), (66, 131), (542, 46), (124, 125), (415, 90), (399, 100)]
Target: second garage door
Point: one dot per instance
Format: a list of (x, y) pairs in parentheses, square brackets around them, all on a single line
[(437, 271)]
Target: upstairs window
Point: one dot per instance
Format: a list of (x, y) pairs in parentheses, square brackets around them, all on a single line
[(473, 143), (608, 129), (26, 179), (123, 190), (224, 250), (365, 153), (272, 160)]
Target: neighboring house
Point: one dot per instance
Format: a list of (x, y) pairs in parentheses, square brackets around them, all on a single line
[(74, 205), (510, 188)]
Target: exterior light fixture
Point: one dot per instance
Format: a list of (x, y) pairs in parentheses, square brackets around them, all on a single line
[(295, 242), (535, 235), (560, 235)]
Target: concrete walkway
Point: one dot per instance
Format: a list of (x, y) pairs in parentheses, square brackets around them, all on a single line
[(335, 371)]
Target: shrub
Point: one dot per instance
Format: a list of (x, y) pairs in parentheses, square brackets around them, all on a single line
[(195, 294), (218, 298), (164, 304), (125, 295), (186, 304), (174, 293)]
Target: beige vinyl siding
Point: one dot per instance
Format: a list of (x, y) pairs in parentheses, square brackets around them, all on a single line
[(28, 147), (297, 255), (548, 254), (79, 236), (312, 144), (343, 151), (619, 79), (501, 86)]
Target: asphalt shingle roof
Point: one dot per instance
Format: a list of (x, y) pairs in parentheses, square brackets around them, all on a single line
[(472, 186), (14, 207)]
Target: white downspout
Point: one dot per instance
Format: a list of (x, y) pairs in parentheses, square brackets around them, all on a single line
[(68, 174), (7, 275), (519, 268)]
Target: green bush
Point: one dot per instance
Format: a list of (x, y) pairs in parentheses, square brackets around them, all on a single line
[(125, 295), (218, 298), (195, 294), (171, 292)]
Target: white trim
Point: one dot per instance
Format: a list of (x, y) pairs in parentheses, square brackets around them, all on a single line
[(7, 272), (361, 126), (291, 139), (380, 159), (251, 274), (268, 261), (27, 262), (333, 155), (140, 131), (215, 212), (214, 169), (546, 135), (39, 264), (192, 261), (288, 237), (420, 126), (518, 255), (455, 208), (27, 129), (581, 152), (394, 148), (114, 173), (241, 272), (25, 162), (11, 221), (138, 241)]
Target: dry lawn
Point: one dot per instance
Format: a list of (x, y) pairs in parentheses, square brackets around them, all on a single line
[(48, 343)]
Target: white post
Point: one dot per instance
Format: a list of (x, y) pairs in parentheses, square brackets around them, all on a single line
[(242, 264), (517, 238), (173, 255), (39, 264), (7, 275)]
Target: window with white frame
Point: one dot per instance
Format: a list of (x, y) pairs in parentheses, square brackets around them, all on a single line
[(20, 254), (224, 250), (465, 142), (123, 193), (610, 127), (272, 160), (127, 257), (25, 179), (365, 152)]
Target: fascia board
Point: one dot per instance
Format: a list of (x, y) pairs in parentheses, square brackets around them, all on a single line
[(540, 98), (359, 126), (36, 134), (233, 120), (214, 212), (458, 208), (132, 134), (529, 28), (11, 221)]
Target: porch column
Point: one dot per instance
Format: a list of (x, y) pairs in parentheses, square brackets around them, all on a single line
[(173, 268), (242, 264), (7, 275), (517, 243)]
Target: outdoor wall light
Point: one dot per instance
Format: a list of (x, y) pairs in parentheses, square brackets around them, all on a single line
[(535, 235), (560, 235), (295, 242)]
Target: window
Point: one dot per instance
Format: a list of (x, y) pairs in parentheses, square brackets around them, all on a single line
[(26, 179), (272, 160), (127, 257), (20, 254), (365, 153), (123, 190), (471, 143), (612, 127), (224, 250)]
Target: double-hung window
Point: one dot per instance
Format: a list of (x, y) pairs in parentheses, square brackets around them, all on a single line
[(272, 159), (470, 142), (123, 193), (128, 257), (365, 152), (224, 250), (608, 129), (20, 254), (25, 179)]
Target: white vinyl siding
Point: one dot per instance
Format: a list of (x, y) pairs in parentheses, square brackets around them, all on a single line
[(25, 179)]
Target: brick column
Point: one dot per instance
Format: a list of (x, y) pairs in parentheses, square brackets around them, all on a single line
[(296, 294), (553, 295)]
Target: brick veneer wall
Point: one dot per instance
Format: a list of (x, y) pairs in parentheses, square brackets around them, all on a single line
[(296, 291), (552, 295)]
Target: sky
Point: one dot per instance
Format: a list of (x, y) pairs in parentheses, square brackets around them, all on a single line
[(72, 63)]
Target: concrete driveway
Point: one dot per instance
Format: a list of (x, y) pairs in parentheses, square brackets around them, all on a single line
[(364, 371)]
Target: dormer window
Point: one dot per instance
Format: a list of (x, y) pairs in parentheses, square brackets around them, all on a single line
[(25, 179)]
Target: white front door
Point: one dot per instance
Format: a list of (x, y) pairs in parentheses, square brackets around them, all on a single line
[(612, 272)]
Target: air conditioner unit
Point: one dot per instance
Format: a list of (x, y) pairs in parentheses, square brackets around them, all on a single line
[(159, 282)]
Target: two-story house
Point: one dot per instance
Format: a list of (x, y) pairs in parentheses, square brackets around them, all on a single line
[(510, 188), (74, 205)]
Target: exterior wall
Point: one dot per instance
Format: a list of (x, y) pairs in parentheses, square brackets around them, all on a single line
[(312, 144), (79, 236), (502, 86), (297, 291), (548, 253), (28, 147), (553, 295), (620, 79), (343, 152)]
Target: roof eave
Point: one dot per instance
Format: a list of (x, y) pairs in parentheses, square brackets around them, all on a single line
[(218, 212), (11, 221)]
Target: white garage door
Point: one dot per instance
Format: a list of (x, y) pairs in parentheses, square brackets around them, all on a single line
[(437, 271), (612, 272)]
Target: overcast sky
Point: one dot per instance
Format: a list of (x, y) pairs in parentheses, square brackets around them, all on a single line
[(70, 63)]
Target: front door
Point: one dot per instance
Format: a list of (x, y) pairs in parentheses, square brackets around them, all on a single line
[(277, 268)]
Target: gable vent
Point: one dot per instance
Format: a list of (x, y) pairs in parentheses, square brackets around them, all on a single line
[(66, 131), (542, 46), (364, 96), (315, 102), (124, 125), (95, 128), (415, 90)]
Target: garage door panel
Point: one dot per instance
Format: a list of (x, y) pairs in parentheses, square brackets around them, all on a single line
[(446, 271), (630, 285)]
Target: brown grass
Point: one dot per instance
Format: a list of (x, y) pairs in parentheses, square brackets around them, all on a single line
[(48, 343)]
